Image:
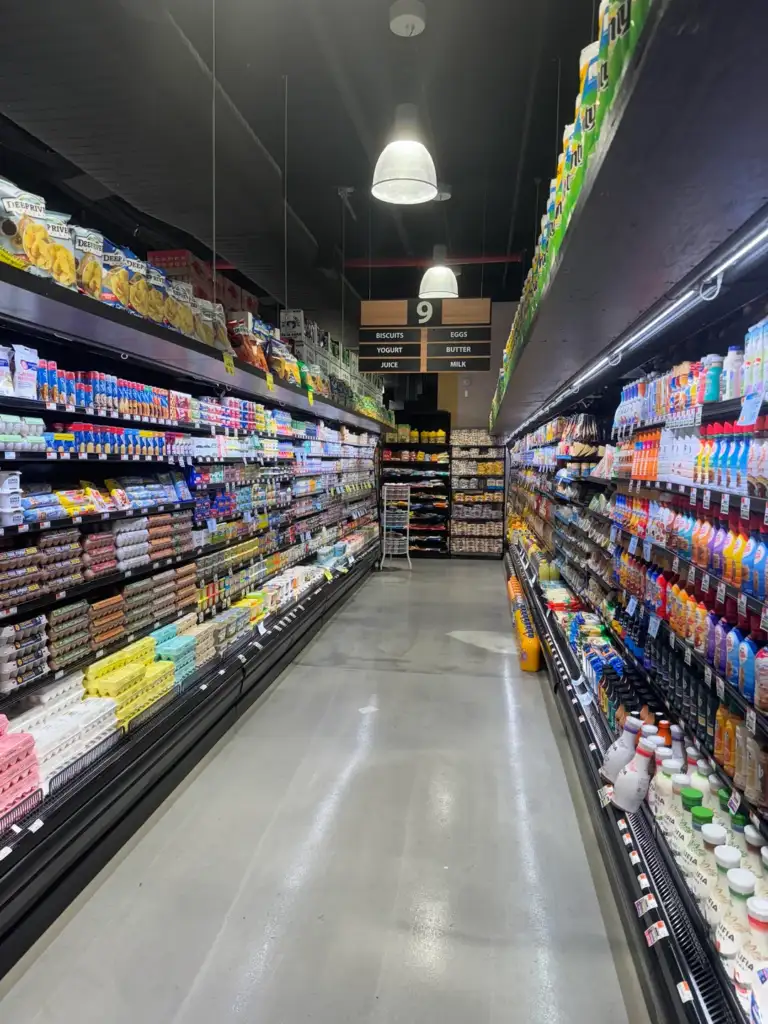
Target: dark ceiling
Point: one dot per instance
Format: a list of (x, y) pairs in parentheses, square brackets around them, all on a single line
[(120, 95)]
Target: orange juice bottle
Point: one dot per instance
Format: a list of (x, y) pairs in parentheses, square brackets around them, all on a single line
[(729, 743), (701, 557), (720, 719), (696, 538), (730, 540), (737, 554), (673, 606), (681, 626), (693, 608)]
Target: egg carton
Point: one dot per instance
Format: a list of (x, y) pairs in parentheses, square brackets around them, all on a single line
[(25, 785)]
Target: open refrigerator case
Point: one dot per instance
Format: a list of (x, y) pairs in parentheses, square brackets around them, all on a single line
[(173, 530)]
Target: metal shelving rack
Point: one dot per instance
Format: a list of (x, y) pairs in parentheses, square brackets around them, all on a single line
[(396, 521), (478, 453)]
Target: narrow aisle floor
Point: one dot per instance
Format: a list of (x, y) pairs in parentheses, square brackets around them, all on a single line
[(387, 837)]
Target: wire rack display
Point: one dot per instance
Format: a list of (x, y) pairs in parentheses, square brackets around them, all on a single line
[(395, 521)]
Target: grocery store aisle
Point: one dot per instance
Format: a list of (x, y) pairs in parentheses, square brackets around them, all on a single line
[(389, 836)]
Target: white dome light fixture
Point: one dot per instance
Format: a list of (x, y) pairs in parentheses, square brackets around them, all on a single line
[(439, 282), (407, 18), (405, 172)]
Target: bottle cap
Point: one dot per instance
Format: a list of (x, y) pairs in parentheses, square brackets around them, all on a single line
[(677, 732), (632, 724), (723, 795), (739, 821), (693, 755), (701, 815), (715, 835), (646, 748), (671, 766), (680, 781), (741, 881), (752, 837), (727, 857), (757, 907), (703, 767), (691, 797), (648, 731)]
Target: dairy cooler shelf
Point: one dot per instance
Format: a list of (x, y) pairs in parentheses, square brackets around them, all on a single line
[(677, 970), (56, 847)]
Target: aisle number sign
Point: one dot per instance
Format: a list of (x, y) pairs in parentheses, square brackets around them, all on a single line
[(425, 336)]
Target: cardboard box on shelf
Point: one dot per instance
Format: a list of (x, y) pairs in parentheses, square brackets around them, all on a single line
[(183, 265), (250, 303), (228, 293)]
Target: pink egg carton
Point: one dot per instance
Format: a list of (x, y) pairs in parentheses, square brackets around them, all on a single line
[(15, 748), (23, 786)]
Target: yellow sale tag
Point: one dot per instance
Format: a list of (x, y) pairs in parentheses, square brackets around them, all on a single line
[(311, 398), (229, 363), (270, 382), (328, 574)]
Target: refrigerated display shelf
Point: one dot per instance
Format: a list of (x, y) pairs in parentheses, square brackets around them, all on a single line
[(677, 970), (58, 846)]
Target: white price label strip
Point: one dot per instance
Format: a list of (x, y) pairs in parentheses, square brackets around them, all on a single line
[(656, 932), (646, 903)]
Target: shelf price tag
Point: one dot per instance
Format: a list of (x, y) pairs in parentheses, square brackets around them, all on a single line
[(705, 583), (708, 677), (693, 496), (687, 656), (720, 594), (646, 903), (632, 606), (742, 605), (310, 398), (725, 503), (744, 511), (615, 532), (671, 639), (692, 574), (657, 931), (653, 625), (751, 719), (605, 795), (634, 857), (720, 687), (643, 880), (633, 546), (270, 382), (706, 498), (676, 564), (735, 801), (647, 550), (229, 363)]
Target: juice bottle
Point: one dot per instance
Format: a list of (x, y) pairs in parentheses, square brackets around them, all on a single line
[(698, 524), (743, 467), (726, 444), (700, 629), (761, 455), (747, 655), (661, 594), (737, 553), (702, 555), (725, 623), (734, 455), (748, 558), (715, 440), (681, 623), (718, 545), (759, 563), (730, 540), (732, 643), (761, 680), (729, 743), (712, 619)]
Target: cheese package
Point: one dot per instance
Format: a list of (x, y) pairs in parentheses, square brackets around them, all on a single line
[(88, 248)]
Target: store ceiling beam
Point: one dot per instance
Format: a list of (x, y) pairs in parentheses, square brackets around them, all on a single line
[(652, 213), (363, 262)]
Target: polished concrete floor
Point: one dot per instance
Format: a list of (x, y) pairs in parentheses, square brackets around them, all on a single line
[(388, 837)]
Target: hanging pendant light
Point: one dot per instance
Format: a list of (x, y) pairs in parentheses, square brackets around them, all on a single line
[(405, 172), (439, 282)]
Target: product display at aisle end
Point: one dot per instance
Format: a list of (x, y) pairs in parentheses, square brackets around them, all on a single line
[(420, 460), (660, 549), (477, 500), (140, 605)]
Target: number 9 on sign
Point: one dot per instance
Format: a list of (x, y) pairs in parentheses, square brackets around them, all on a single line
[(424, 311)]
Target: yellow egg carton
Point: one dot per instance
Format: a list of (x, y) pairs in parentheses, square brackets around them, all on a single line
[(159, 671), (151, 680), (116, 683), (144, 700), (141, 652)]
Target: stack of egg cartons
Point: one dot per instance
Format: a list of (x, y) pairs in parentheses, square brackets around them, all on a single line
[(64, 726), (23, 653), (123, 676), (19, 776), (186, 586), (69, 634), (138, 605), (131, 543), (181, 651), (181, 536), (99, 554), (204, 636), (107, 621), (163, 594)]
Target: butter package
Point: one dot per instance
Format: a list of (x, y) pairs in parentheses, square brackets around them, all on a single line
[(62, 257), (24, 239), (156, 299), (88, 248), (114, 287)]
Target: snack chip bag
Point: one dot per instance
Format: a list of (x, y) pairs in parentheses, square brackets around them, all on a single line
[(178, 307), (156, 300), (114, 288), (24, 240), (202, 315), (62, 269), (138, 288), (88, 247)]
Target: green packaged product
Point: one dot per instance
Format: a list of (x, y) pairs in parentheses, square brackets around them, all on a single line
[(638, 17), (605, 94), (589, 103), (618, 43)]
